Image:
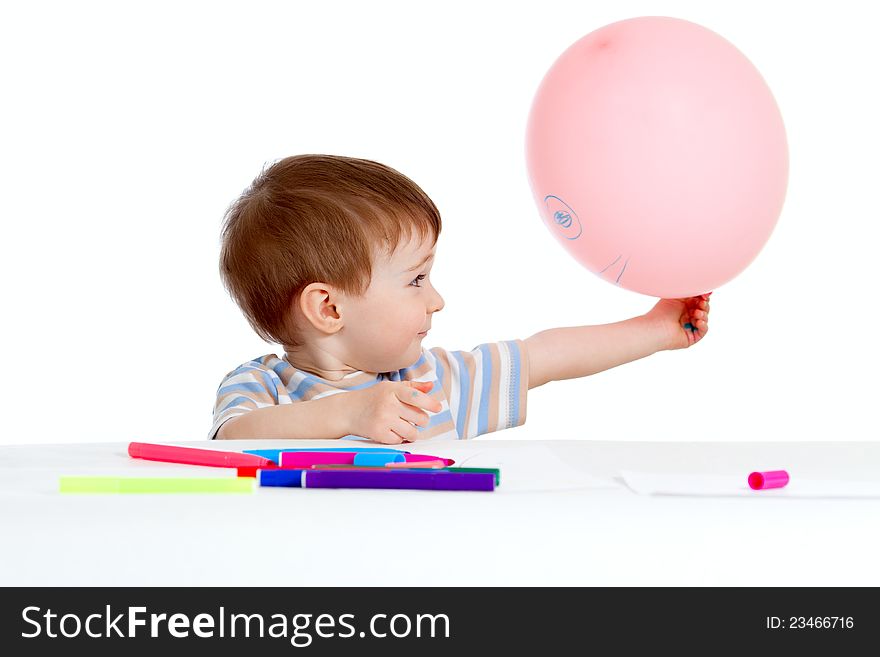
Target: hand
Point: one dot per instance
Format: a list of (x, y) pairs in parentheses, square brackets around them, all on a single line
[(682, 322), (388, 411)]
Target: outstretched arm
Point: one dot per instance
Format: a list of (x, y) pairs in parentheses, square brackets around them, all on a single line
[(576, 351)]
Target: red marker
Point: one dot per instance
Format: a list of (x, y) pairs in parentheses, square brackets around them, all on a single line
[(251, 470), (193, 456)]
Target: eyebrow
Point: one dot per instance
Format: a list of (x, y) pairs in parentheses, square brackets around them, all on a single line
[(418, 266)]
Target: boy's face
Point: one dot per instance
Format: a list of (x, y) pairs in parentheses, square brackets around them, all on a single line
[(384, 328)]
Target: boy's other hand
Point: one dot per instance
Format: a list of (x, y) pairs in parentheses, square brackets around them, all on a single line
[(388, 411), (681, 322)]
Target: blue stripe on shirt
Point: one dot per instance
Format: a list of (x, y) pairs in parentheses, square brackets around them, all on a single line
[(483, 419), (304, 386), (368, 384), (438, 418), (235, 402), (271, 388), (249, 386), (280, 367), (440, 371), (464, 382), (516, 372)]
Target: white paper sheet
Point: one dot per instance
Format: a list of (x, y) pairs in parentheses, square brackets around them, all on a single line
[(646, 483), (525, 467)]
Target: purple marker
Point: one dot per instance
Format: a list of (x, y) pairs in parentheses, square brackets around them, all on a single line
[(399, 479)]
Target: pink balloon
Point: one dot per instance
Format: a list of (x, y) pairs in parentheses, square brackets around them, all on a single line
[(657, 156)]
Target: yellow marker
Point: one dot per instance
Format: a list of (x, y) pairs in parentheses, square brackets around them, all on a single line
[(73, 484)]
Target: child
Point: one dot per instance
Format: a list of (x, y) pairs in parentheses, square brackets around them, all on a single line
[(330, 257)]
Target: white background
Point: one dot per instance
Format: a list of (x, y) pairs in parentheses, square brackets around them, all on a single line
[(127, 129)]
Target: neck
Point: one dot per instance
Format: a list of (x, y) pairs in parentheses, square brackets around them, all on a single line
[(318, 362)]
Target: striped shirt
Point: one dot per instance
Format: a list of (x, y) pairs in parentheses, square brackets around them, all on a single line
[(480, 391)]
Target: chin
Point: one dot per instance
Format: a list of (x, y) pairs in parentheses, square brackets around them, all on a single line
[(413, 356)]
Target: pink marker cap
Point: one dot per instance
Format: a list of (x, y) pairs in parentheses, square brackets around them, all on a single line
[(769, 479), (417, 458)]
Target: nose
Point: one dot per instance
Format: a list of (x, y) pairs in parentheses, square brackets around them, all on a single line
[(436, 301)]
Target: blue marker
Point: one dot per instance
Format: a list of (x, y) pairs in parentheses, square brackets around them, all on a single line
[(280, 478)]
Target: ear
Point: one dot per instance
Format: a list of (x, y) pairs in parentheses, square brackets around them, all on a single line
[(319, 304)]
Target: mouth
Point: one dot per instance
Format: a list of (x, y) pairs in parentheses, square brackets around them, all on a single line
[(423, 333)]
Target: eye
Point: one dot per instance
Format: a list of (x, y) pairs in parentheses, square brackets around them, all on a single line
[(415, 282)]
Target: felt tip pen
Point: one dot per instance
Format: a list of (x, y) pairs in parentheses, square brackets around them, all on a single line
[(417, 458), (280, 478), (411, 467), (194, 456), (419, 465), (284, 479), (398, 479), (496, 472), (251, 470), (768, 479), (275, 454), (77, 484), (378, 478)]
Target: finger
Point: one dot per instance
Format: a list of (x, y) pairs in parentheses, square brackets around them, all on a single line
[(405, 430), (415, 415), (388, 438), (409, 395), (391, 438)]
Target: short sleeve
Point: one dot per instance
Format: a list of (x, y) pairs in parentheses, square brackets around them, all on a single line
[(248, 387), (487, 387)]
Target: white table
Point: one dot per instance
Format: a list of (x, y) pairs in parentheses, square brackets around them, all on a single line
[(577, 525)]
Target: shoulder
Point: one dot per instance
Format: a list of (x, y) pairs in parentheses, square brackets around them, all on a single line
[(512, 350)]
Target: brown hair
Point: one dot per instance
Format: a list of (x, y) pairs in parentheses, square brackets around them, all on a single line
[(313, 218)]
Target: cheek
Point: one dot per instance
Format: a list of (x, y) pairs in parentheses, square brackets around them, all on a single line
[(408, 318), (397, 318), (412, 316)]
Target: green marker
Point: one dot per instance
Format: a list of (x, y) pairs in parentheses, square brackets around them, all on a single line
[(73, 484), (494, 471)]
